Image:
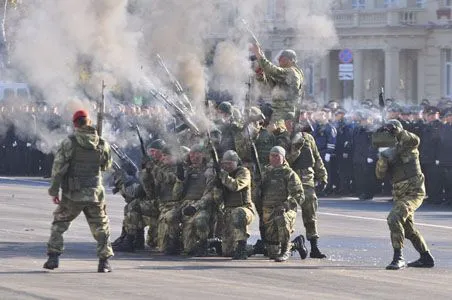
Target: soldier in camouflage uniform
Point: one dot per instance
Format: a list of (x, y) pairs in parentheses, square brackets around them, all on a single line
[(402, 163), (304, 158), (141, 209), (169, 229), (234, 194), (286, 81), (77, 171), (194, 190), (280, 192)]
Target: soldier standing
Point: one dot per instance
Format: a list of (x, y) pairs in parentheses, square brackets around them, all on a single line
[(238, 213), (281, 191), (286, 81), (77, 171), (305, 160), (402, 163)]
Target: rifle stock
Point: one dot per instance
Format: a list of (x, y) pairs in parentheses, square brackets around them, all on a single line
[(101, 111)]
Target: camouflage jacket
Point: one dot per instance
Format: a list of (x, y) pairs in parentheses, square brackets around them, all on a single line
[(317, 171), (287, 83), (280, 185), (86, 137)]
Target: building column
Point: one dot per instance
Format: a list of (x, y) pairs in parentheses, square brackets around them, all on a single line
[(392, 76), (325, 78), (420, 75), (358, 80)]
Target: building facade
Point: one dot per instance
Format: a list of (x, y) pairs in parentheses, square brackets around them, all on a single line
[(401, 45)]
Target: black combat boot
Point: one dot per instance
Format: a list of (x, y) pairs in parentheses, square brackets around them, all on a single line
[(127, 244), (52, 262), (425, 261), (285, 252), (139, 240), (298, 244), (259, 248), (120, 238), (104, 266), (240, 252), (200, 249), (398, 262), (315, 252)]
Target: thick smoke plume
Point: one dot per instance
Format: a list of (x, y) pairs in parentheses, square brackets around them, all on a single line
[(65, 48)]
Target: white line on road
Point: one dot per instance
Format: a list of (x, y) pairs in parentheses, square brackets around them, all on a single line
[(381, 220)]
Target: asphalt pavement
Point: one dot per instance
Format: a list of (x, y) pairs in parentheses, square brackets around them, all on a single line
[(354, 235)]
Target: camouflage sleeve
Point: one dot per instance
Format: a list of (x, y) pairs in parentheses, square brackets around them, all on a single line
[(320, 173), (242, 180), (60, 166), (406, 141), (147, 181), (295, 188), (273, 72), (381, 168), (107, 160)]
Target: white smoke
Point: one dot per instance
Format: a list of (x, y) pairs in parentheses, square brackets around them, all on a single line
[(65, 48)]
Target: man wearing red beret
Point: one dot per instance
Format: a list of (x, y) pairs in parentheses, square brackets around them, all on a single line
[(77, 170)]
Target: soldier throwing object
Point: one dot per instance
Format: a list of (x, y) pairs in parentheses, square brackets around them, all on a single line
[(402, 163)]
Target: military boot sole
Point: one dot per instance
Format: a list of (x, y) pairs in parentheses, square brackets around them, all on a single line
[(50, 266)]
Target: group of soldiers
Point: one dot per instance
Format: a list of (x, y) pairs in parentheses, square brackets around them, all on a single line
[(205, 187)]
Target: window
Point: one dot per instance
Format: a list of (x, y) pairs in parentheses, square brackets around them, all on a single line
[(391, 3), (358, 4), (448, 75), (309, 75), (420, 3), (275, 9)]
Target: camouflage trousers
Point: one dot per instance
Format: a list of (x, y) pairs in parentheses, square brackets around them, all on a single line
[(235, 223), (138, 214), (279, 225), (169, 227), (97, 218), (280, 109), (408, 196), (195, 228), (309, 212)]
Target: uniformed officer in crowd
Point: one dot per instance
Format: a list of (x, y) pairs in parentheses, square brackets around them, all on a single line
[(402, 163), (343, 153), (77, 171), (428, 148), (364, 158), (444, 155)]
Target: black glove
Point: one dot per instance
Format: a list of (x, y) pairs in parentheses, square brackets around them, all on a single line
[(180, 173), (189, 211)]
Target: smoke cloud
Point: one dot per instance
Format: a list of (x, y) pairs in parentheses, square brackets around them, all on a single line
[(65, 48)]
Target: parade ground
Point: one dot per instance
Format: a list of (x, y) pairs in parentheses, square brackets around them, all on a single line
[(354, 235)]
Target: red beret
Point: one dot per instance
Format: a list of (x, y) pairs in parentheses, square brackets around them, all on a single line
[(79, 114)]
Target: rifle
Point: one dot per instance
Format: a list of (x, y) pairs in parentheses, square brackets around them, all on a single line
[(250, 32), (126, 163), (143, 150), (179, 90), (177, 111), (101, 111), (215, 159), (381, 103)]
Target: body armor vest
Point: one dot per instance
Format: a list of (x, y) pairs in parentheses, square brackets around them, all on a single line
[(306, 159), (84, 167), (239, 198), (166, 190), (402, 171), (194, 184), (274, 188)]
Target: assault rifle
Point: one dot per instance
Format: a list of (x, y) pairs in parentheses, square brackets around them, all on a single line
[(101, 111), (126, 163), (178, 87)]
